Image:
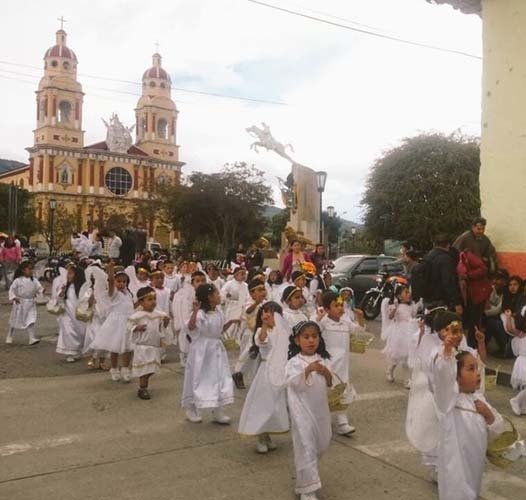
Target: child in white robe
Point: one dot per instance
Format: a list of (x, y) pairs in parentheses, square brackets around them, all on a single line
[(347, 294), (207, 378), (113, 335), (234, 295), (465, 418), (336, 332), (22, 294), (214, 277), (147, 327), (182, 310), (245, 365), (138, 278), (170, 277), (307, 377), (299, 280), (403, 316), (274, 285), (265, 408), (293, 301), (72, 332)]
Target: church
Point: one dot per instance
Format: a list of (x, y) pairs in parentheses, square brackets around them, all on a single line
[(113, 177)]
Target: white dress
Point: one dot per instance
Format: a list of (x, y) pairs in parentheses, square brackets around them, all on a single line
[(337, 336), (72, 332), (463, 435), (245, 363), (265, 408), (147, 345), (397, 344), (518, 375), (293, 316), (207, 378), (181, 312), (274, 292), (25, 290), (113, 335), (310, 420), (234, 295), (387, 322)]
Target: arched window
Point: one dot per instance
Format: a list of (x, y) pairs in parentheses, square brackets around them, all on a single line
[(152, 84), (64, 111), (162, 128)]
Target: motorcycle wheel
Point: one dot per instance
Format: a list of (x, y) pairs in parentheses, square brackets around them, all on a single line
[(49, 275), (369, 308)]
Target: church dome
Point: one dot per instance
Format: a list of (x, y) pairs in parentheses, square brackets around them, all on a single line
[(156, 71), (60, 49)]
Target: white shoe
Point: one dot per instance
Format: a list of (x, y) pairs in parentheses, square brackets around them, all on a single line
[(34, 341), (125, 374), (515, 406), (71, 359), (192, 414), (261, 445), (115, 374), (270, 444), (219, 417), (308, 496), (345, 429), (182, 360), (9, 339), (407, 384)]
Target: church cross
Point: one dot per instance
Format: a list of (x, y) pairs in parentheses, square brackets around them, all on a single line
[(62, 21)]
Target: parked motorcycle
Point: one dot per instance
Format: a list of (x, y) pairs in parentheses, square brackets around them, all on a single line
[(54, 263), (372, 300)]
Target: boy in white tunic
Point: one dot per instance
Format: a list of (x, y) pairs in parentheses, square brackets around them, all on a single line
[(258, 295), (307, 377), (337, 333), (234, 295), (147, 328), (22, 294), (465, 422)]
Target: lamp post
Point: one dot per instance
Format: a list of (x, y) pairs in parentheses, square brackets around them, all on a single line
[(52, 208), (353, 233), (321, 179), (331, 213)]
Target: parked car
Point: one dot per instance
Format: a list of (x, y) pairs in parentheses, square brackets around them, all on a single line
[(360, 272)]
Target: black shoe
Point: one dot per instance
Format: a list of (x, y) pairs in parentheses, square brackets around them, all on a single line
[(238, 380), (143, 394)]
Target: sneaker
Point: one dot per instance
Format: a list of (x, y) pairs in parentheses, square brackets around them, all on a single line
[(192, 414), (71, 359), (34, 341), (115, 374), (270, 444), (125, 374), (219, 417), (143, 394), (308, 496), (238, 380), (515, 406), (345, 429), (261, 445), (9, 339)]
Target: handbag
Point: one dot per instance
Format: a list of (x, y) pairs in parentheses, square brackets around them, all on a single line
[(56, 307)]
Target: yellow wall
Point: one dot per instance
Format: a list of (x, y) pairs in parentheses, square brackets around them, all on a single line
[(503, 150)]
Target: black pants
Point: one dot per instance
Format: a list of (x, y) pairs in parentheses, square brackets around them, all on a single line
[(472, 318)]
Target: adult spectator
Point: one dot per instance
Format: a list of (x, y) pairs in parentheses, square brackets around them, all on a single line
[(231, 256), (440, 276), (319, 259), (97, 245), (410, 260), (10, 258), (254, 258), (294, 259), (128, 249), (114, 248), (494, 327), (475, 241)]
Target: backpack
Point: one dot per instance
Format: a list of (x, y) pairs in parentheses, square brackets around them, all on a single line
[(421, 280)]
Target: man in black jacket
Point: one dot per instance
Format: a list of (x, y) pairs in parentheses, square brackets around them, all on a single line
[(441, 275)]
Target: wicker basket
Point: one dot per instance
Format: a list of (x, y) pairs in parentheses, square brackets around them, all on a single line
[(501, 444), (84, 315), (230, 344), (490, 381), (335, 396), (359, 345)]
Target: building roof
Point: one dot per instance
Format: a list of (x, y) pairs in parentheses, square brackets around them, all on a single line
[(466, 6), (9, 165), (102, 146), (60, 49)]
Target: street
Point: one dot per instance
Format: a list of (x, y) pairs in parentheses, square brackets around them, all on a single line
[(69, 433)]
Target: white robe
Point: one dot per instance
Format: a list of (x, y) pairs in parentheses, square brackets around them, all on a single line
[(245, 363), (72, 332), (147, 345), (25, 290), (293, 316), (181, 312), (207, 377), (310, 420), (398, 338), (171, 281), (265, 408), (463, 435), (274, 292), (518, 375), (234, 295), (337, 336)]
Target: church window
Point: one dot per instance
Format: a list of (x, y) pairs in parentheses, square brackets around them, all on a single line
[(54, 64), (65, 65), (162, 85), (162, 129), (74, 139), (56, 137), (64, 111), (152, 84), (119, 181)]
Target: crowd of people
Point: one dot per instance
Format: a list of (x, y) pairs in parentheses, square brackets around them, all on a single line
[(293, 331)]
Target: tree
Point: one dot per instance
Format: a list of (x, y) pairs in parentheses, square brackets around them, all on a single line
[(277, 226), (61, 228), (217, 210), (26, 222), (426, 186)]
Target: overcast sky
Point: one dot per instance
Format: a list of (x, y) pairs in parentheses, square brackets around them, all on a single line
[(348, 96)]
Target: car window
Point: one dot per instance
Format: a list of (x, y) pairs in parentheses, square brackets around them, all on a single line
[(343, 264), (368, 266)]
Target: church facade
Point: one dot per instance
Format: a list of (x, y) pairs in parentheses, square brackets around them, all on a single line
[(115, 177)]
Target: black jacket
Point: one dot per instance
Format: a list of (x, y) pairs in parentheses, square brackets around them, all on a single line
[(443, 281)]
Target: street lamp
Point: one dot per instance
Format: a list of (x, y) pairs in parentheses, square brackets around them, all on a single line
[(52, 208), (321, 179), (353, 233), (330, 212)]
